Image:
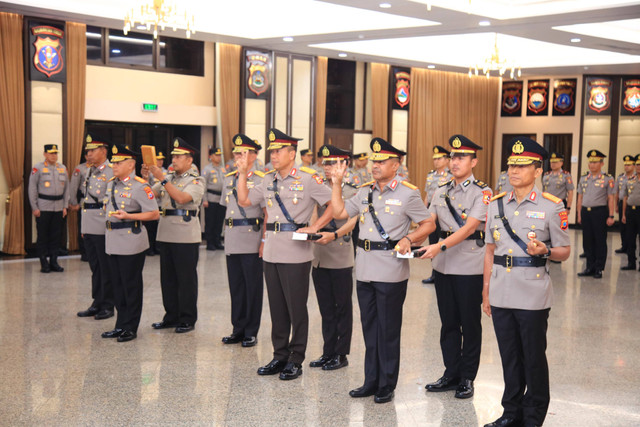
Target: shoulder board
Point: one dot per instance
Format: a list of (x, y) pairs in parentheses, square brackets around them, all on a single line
[(111, 179), (503, 172), (551, 197), (232, 173), (445, 183), (367, 184), (480, 184), (308, 170), (408, 184), (259, 173), (110, 165), (271, 171), (497, 196), (194, 173), (350, 184), (566, 172), (140, 180)]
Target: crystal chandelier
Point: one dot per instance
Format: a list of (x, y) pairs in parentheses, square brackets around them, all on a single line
[(495, 63), (158, 13)]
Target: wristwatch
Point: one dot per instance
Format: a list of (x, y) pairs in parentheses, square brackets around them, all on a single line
[(164, 182), (443, 247)]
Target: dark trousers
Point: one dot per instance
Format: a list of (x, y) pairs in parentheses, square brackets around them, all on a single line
[(101, 284), (354, 236), (334, 288), (126, 273), (246, 289), (623, 234), (434, 238), (152, 232), (460, 307), (213, 220), (83, 251), (179, 282), (594, 236), (381, 318), (49, 228), (632, 231), (522, 340), (288, 291)]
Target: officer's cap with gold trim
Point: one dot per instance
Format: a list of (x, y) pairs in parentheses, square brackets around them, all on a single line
[(215, 150), (160, 156), (525, 151), (439, 151), (180, 146), (629, 159), (121, 152), (331, 153), (382, 150), (637, 160), (305, 152), (462, 145), (556, 157), (361, 156), (93, 140), (278, 139), (51, 148), (242, 142), (595, 156)]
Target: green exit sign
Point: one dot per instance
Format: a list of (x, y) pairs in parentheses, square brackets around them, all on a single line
[(150, 107)]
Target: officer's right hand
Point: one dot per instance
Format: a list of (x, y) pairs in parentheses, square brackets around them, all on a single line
[(36, 213), (326, 238), (486, 306), (156, 172), (337, 172), (205, 203), (242, 163), (624, 219), (579, 218)]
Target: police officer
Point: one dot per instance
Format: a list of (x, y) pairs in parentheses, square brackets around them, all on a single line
[(290, 195), (230, 166), (435, 178), (460, 206), (525, 228), (503, 183), (631, 214), (214, 212), (152, 226), (558, 181), (385, 209), (93, 227), (181, 193), (76, 190), (332, 274), (402, 170), (306, 159), (360, 166), (49, 199), (243, 230), (130, 201), (621, 180), (595, 212)]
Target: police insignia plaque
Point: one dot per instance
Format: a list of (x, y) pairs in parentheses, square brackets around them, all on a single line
[(564, 95), (538, 97), (47, 52), (511, 99), (630, 97), (401, 83), (258, 71), (598, 96)]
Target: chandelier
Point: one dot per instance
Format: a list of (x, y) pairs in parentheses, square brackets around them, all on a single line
[(495, 63), (158, 13)]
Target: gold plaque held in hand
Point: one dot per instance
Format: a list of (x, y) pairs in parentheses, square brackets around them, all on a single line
[(148, 155)]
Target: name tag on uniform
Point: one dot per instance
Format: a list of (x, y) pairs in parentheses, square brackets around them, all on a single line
[(393, 202), (365, 202), (125, 195), (296, 187), (537, 215)]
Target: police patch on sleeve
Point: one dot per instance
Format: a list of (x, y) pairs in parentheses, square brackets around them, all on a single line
[(149, 192)]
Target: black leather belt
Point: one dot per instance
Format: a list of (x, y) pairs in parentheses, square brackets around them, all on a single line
[(593, 208), (230, 222), (45, 197), (632, 207), (124, 224), (477, 235), (509, 261), (386, 245), (217, 193), (178, 212), (92, 206), (284, 226)]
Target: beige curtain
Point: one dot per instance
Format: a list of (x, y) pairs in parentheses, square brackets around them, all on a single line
[(230, 75), (444, 104), (75, 96), (380, 100), (321, 100), (12, 129)]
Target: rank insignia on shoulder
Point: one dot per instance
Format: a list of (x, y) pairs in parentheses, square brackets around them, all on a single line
[(409, 185), (318, 178), (497, 196), (308, 170), (142, 180), (271, 171), (551, 197), (480, 184), (445, 183), (367, 184), (260, 173), (111, 179)]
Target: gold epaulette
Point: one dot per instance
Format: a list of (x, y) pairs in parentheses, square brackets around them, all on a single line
[(232, 173), (271, 171), (497, 196), (551, 197), (410, 185), (366, 184), (308, 170), (111, 179), (445, 183), (259, 173), (480, 184), (142, 180)]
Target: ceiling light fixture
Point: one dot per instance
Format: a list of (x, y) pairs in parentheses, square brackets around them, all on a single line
[(431, 66), (342, 55), (484, 23), (495, 63), (159, 13), (287, 39), (575, 40), (385, 5)]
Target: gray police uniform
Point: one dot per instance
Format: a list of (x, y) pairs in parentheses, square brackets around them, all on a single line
[(126, 243), (152, 226), (503, 183), (93, 229), (287, 262), (403, 171), (458, 275), (180, 233), (49, 193), (363, 174), (595, 190), (333, 283), (520, 294), (558, 183), (76, 190), (619, 188), (631, 191), (243, 234), (214, 214), (434, 180), (381, 276)]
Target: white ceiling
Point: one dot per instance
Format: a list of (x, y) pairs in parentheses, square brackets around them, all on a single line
[(535, 34)]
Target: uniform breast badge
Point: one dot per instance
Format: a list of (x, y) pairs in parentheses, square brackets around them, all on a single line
[(496, 235)]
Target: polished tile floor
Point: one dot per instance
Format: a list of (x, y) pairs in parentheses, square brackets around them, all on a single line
[(56, 370)]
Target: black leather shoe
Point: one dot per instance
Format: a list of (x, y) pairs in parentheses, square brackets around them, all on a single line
[(621, 251), (583, 255), (362, 392), (384, 395), (103, 314), (505, 422), (233, 339), (89, 312), (628, 267), (44, 265), (597, 274), (211, 248), (291, 371), (218, 245), (337, 362), (465, 389), (443, 384), (115, 333), (185, 327), (319, 363), (84, 258), (53, 264), (163, 325), (429, 280), (127, 336), (249, 341), (273, 367), (587, 272)]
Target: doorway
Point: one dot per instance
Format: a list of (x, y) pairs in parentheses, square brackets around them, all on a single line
[(560, 143)]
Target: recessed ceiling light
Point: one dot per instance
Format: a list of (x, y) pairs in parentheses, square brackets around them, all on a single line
[(360, 36), (575, 40), (287, 39), (116, 51), (431, 66), (141, 27), (385, 5), (342, 55), (484, 23)]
